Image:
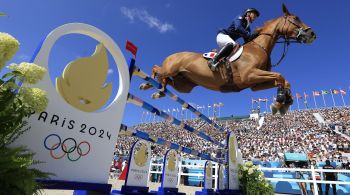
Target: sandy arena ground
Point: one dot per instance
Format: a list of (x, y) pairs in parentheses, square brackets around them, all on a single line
[(116, 185)]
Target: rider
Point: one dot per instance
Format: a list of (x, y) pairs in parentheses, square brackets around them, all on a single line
[(226, 38)]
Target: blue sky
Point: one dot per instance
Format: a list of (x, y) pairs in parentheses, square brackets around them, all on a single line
[(162, 27)]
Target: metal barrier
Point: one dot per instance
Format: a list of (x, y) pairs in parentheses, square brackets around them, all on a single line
[(215, 176), (313, 176)]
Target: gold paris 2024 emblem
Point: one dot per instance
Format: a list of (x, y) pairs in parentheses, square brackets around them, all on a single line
[(82, 84), (141, 154), (171, 161), (232, 149)]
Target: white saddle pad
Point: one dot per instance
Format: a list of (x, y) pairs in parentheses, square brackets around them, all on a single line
[(211, 55)]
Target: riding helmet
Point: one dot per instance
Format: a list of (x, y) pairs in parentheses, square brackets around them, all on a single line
[(252, 10)]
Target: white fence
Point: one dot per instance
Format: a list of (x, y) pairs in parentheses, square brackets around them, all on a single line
[(215, 176)]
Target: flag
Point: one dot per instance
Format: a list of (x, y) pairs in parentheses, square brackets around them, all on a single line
[(334, 91), (325, 92), (209, 106), (174, 110), (254, 100), (215, 105), (316, 93), (221, 104), (168, 110), (131, 47), (342, 92), (298, 95), (305, 95)]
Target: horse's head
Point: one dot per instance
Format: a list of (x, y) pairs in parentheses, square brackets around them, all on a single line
[(292, 27)]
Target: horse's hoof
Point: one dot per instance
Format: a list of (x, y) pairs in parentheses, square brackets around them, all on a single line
[(284, 109), (273, 109), (145, 86)]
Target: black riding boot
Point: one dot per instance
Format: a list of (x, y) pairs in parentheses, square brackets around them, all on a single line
[(223, 53)]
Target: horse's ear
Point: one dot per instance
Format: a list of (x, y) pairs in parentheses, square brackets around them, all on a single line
[(285, 10)]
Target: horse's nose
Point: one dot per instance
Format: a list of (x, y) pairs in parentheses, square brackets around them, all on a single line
[(310, 35), (313, 34)]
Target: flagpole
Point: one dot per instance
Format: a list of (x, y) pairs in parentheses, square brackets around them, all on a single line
[(313, 94), (143, 112), (332, 98), (298, 102), (342, 97), (324, 102), (305, 101), (266, 105)]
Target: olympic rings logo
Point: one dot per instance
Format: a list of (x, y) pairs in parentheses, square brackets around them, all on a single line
[(171, 180), (63, 146), (138, 177)]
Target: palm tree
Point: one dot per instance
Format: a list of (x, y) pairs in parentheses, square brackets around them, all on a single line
[(2, 14)]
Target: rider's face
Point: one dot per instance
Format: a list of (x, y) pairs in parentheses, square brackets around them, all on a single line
[(252, 16)]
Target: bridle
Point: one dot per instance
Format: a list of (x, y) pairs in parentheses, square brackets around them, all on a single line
[(301, 32)]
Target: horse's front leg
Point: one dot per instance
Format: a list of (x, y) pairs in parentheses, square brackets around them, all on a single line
[(283, 100), (260, 79)]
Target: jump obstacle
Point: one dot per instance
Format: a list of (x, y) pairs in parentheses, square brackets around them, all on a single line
[(98, 129), (134, 70)]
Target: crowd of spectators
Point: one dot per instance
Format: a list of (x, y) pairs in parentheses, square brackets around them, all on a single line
[(297, 131)]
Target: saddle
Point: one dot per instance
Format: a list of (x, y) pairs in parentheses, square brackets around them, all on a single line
[(235, 54), (225, 68)]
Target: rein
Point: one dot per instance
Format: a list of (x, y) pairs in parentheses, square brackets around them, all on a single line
[(285, 48), (286, 41)]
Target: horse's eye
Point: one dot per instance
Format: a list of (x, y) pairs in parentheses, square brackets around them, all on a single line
[(297, 18)]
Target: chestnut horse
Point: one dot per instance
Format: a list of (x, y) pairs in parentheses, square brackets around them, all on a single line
[(185, 70)]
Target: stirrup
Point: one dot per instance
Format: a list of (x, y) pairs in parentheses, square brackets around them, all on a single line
[(213, 67)]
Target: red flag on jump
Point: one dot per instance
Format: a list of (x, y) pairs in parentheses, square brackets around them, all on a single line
[(131, 47), (123, 174)]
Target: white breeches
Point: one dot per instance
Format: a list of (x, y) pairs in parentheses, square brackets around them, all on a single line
[(222, 40)]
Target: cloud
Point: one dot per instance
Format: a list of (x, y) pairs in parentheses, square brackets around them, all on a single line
[(143, 16)]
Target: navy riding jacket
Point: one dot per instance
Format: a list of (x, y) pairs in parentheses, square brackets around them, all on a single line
[(238, 28)]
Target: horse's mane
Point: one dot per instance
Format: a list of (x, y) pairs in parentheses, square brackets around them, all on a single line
[(261, 28)]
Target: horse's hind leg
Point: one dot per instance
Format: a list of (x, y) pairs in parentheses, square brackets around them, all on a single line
[(145, 86)]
